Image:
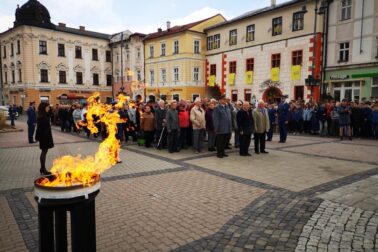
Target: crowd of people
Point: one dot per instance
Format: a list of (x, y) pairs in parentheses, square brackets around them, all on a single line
[(183, 124)]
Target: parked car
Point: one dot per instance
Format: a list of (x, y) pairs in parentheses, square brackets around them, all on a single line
[(5, 110)]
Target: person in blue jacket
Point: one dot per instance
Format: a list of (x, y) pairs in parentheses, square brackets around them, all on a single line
[(283, 113), (272, 120), (32, 121)]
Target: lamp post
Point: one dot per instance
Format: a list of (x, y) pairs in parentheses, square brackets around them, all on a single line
[(122, 87)]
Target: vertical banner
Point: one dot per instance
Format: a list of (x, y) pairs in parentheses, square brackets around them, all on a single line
[(275, 74), (296, 72), (249, 77), (212, 81), (231, 79)]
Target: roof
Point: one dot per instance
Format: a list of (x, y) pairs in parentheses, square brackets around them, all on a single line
[(175, 29), (255, 13), (83, 32)]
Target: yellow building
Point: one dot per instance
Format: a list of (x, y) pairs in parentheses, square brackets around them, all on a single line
[(43, 62), (175, 61)]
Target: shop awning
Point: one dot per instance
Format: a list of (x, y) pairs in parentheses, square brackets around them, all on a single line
[(364, 75)]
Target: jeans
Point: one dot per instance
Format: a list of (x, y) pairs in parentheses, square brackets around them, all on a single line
[(197, 139), (323, 128)]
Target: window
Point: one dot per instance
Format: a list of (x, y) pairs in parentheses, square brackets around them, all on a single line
[(138, 53), (117, 57), (62, 77), (18, 47), (234, 95), (250, 36), (61, 52), (233, 37), (344, 52), (94, 54), (297, 58), (298, 21), (79, 78), (232, 67), (376, 47), (209, 43), (44, 75), (346, 9), (196, 46), (108, 80), (127, 56), (12, 50), (194, 96), (19, 75), (176, 97), (95, 79), (276, 60), (151, 51), (5, 77), (216, 44), (108, 56), (196, 73), (163, 75), (176, 47), (5, 52), (213, 69), (374, 87), (162, 49), (249, 64), (78, 52), (277, 26), (175, 74), (139, 75), (247, 95), (42, 47), (13, 77), (152, 76)]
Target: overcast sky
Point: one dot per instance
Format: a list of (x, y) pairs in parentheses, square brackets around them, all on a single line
[(145, 16)]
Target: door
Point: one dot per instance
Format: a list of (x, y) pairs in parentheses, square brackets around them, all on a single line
[(299, 92)]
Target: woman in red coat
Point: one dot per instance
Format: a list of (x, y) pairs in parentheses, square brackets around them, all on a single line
[(44, 135)]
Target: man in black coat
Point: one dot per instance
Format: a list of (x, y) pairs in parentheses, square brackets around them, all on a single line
[(32, 121), (245, 126), (160, 120), (222, 126)]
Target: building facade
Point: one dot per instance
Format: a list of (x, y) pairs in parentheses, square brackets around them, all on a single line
[(41, 61), (175, 61), (128, 64), (267, 53), (352, 52)]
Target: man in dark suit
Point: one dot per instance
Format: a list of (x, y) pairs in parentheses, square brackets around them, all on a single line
[(245, 128), (222, 126), (32, 121), (283, 114)]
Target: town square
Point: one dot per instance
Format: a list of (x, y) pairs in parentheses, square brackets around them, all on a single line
[(231, 128)]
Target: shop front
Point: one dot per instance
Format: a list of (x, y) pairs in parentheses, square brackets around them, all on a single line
[(352, 84)]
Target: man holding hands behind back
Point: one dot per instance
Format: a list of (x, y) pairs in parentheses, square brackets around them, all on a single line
[(245, 127)]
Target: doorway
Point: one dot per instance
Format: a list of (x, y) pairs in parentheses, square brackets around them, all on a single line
[(272, 95), (299, 92), (346, 90)]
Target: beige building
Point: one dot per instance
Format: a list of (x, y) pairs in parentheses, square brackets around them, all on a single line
[(44, 62), (266, 53), (128, 64)]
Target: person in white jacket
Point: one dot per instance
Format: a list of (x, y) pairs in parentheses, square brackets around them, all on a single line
[(197, 117)]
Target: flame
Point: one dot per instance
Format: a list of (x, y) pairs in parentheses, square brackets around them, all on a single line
[(74, 170)]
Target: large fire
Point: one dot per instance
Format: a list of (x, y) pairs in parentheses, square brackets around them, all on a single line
[(78, 170)]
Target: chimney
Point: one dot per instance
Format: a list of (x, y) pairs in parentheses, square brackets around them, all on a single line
[(61, 24), (82, 28), (273, 3), (160, 30), (168, 25)]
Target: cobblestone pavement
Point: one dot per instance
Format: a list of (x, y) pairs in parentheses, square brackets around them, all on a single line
[(310, 194)]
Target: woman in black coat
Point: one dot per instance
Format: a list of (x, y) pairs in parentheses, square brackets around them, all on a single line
[(44, 135)]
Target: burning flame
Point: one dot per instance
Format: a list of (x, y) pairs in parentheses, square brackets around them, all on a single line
[(73, 170)]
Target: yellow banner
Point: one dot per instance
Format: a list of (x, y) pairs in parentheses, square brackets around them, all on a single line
[(212, 81), (296, 72), (249, 77), (231, 79), (275, 74)]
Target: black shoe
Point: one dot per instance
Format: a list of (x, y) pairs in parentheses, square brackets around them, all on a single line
[(248, 154), (281, 141), (236, 146), (225, 155), (350, 138), (257, 152), (44, 172), (265, 152), (228, 148), (219, 156), (118, 162), (243, 154), (341, 138), (269, 140), (32, 142)]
